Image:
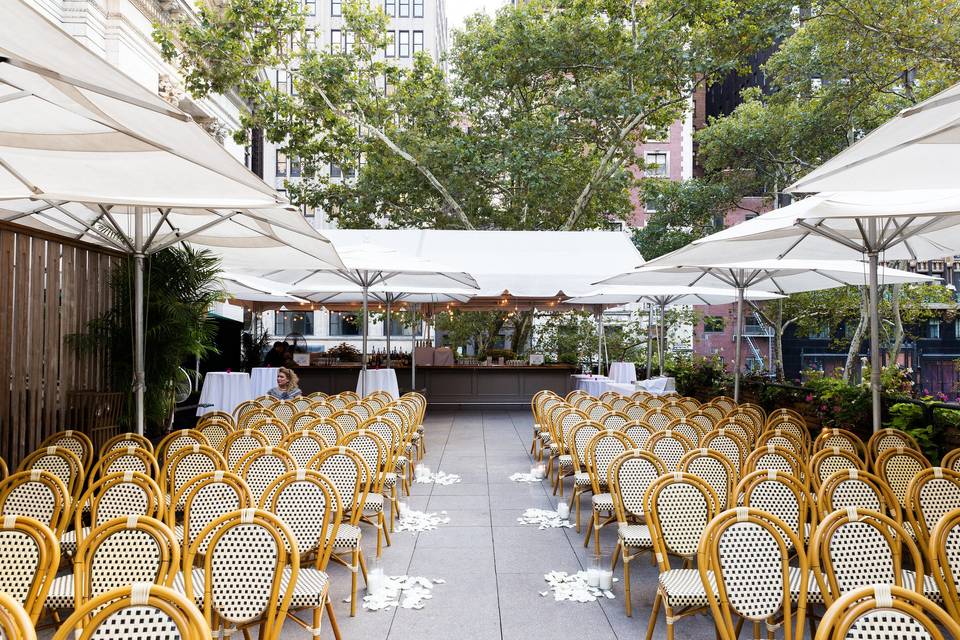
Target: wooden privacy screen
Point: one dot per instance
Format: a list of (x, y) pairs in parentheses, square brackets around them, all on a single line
[(50, 287)]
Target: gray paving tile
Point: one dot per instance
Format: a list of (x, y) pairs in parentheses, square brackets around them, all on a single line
[(525, 614)]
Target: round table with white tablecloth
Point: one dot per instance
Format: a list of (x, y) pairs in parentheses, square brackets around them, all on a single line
[(622, 388), (623, 372), (222, 391), (658, 386), (379, 380), (594, 385), (262, 379)]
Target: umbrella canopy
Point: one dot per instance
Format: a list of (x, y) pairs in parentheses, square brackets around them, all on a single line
[(74, 128), (253, 289), (783, 276), (917, 149)]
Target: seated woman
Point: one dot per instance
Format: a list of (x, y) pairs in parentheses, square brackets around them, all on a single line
[(286, 385)]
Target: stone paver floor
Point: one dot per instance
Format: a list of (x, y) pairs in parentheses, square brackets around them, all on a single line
[(493, 565)]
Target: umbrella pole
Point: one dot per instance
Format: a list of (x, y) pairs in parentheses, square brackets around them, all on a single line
[(737, 359), (600, 342), (413, 351), (388, 330), (139, 377), (874, 327), (363, 356), (649, 340), (661, 337)]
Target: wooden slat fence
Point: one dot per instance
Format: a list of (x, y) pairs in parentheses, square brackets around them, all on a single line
[(50, 287)]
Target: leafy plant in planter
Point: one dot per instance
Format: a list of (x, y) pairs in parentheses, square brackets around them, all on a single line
[(911, 418), (345, 352), (180, 285), (698, 376), (506, 354), (252, 348), (838, 403)]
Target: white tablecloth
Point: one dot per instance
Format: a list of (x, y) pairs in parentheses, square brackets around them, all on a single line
[(658, 386), (379, 380), (223, 391), (262, 379), (622, 388), (625, 372), (594, 385)]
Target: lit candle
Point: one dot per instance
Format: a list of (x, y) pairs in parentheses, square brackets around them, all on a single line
[(563, 510), (593, 577), (606, 579)]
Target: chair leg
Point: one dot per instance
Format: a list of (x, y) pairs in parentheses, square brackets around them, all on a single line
[(575, 504), (668, 614), (593, 523), (333, 619), (353, 580), (596, 534), (652, 624), (383, 526), (616, 556), (626, 579)]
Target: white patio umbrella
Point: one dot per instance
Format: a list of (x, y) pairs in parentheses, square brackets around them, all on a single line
[(368, 266), (663, 297), (89, 153), (783, 276), (917, 149)]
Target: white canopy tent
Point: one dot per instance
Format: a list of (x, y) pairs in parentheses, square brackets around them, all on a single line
[(783, 276), (88, 153), (367, 266), (662, 297), (917, 149)]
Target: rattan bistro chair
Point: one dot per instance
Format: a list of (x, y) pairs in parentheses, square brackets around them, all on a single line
[(126, 611), (240, 443), (28, 563), (581, 435), (931, 494), (37, 494), (180, 439), (303, 445), (244, 571), (124, 440), (260, 467), (898, 467), (747, 554), (714, 469), (61, 462), (886, 612), (602, 449), (206, 498), (855, 488), (631, 474), (827, 462), (669, 446), (182, 467), (841, 438), (681, 506), (128, 459), (76, 442), (886, 439)]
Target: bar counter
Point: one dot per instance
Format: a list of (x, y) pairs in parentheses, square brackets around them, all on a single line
[(452, 384)]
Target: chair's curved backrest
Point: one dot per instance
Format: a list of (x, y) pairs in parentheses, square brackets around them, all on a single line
[(129, 493), (658, 418), (123, 551), (691, 430), (37, 494), (302, 420), (884, 611), (614, 420), (703, 419), (244, 565), (309, 504), (260, 467), (250, 417), (284, 410), (792, 423), (61, 462), (637, 431), (773, 457), (348, 472), (185, 465), (206, 498), (669, 446), (601, 451), (843, 439), (76, 442), (748, 552), (180, 439), (681, 505), (120, 613), (898, 467), (724, 402), (943, 552), (348, 420), (857, 488), (329, 430), (375, 453), (741, 428), (636, 410), (777, 493), (565, 422), (931, 494), (579, 438), (243, 407), (827, 462), (15, 623), (129, 459), (361, 409), (886, 439), (631, 474), (853, 548), (273, 429), (728, 443), (240, 443), (124, 440), (29, 556), (713, 468), (215, 432), (323, 409), (785, 439), (675, 408), (303, 445), (951, 460), (714, 411)]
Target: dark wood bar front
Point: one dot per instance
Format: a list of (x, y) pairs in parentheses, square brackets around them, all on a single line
[(452, 385)]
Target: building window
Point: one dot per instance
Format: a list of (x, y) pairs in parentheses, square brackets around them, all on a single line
[(417, 8), (397, 328), (417, 41), (823, 333), (310, 39), (403, 46), (296, 168), (282, 80), (287, 322), (713, 324), (281, 163), (310, 7), (336, 8), (348, 40), (335, 171), (404, 8), (390, 8), (936, 266), (336, 41), (344, 323), (390, 50), (656, 162), (933, 329)]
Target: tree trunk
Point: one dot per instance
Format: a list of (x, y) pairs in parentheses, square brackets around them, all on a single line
[(897, 323), (522, 326), (854, 348), (778, 343)]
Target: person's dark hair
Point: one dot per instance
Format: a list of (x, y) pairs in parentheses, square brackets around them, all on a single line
[(277, 344)]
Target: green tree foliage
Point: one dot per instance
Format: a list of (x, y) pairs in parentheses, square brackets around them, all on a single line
[(180, 286)]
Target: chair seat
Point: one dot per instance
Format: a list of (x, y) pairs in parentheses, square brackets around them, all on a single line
[(545, 438), (930, 589), (813, 589), (68, 541), (684, 588), (566, 462), (389, 480), (60, 595), (373, 503), (348, 538), (581, 480), (635, 535), (602, 502), (309, 591)]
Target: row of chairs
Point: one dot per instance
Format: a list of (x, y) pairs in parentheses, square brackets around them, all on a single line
[(762, 464), (189, 482)]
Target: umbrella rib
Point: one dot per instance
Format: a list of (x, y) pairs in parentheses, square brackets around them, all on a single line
[(793, 246), (153, 234), (830, 234), (92, 224), (28, 66), (252, 214), (905, 235), (780, 290), (829, 277), (181, 237), (26, 214), (116, 227), (16, 95), (16, 174)]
